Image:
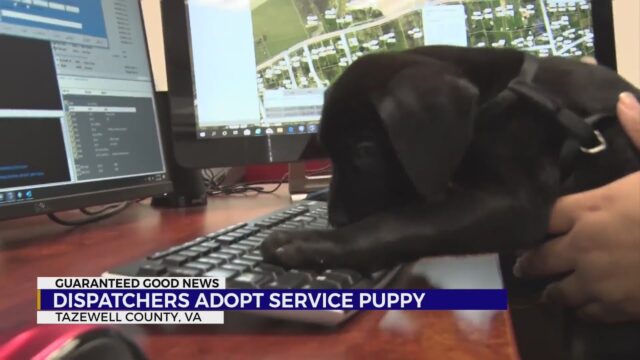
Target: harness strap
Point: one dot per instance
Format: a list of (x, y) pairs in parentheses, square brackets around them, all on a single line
[(583, 135)]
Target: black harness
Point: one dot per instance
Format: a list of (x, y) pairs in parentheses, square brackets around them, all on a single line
[(583, 134)]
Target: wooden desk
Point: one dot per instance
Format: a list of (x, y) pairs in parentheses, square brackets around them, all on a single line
[(36, 247)]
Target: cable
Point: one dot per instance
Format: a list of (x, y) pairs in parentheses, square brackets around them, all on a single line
[(215, 189), (89, 212), (94, 216)]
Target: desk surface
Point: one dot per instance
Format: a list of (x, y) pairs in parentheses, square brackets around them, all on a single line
[(36, 247)]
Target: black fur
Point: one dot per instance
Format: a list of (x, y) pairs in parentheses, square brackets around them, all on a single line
[(419, 170)]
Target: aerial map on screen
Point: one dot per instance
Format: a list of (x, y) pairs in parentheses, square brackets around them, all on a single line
[(307, 43), (261, 66)]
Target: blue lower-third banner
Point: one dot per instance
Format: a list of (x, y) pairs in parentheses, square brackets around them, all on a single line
[(229, 299)]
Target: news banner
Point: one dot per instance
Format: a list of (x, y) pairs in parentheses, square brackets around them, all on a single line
[(75, 300)]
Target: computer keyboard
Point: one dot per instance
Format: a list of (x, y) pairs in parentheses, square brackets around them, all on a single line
[(233, 253)]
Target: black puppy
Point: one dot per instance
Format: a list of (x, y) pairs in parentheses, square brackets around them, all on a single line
[(447, 150)]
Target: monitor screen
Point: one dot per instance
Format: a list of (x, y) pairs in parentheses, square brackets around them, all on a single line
[(261, 67), (77, 112)]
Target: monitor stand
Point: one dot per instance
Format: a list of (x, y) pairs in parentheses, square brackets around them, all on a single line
[(188, 186), (188, 189), (301, 184)]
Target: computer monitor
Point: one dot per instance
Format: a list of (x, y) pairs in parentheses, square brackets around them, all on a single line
[(78, 125), (247, 78)]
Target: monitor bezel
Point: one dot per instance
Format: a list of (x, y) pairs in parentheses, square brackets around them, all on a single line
[(193, 152), (604, 38), (102, 196)]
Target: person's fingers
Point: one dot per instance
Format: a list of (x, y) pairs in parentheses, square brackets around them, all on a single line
[(568, 292), (629, 115), (589, 60), (551, 258)]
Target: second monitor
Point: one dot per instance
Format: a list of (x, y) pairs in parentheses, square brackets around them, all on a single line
[(259, 68)]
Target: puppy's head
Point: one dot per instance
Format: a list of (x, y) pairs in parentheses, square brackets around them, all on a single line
[(367, 176), (393, 133)]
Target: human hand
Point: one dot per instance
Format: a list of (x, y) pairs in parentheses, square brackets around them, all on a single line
[(598, 244), (629, 115)]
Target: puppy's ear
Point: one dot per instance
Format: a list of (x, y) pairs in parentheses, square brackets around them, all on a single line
[(429, 119)]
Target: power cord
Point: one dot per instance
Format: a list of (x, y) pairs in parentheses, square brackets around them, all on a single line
[(215, 189), (90, 212), (92, 215)]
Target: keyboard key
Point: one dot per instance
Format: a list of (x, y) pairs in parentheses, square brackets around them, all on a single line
[(237, 267), (304, 219), (169, 251), (237, 235), (251, 244), (253, 257), (252, 240), (214, 261), (199, 248), (244, 232), (265, 224), (214, 246), (251, 229), (289, 281), (236, 252), (296, 224), (242, 247), (175, 260), (246, 262), (224, 256), (184, 272), (151, 269), (221, 273), (258, 237), (189, 254), (226, 240), (204, 266), (248, 280)]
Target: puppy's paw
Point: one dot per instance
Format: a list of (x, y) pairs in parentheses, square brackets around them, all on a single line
[(305, 249)]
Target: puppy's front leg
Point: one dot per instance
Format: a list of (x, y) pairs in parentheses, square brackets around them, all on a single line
[(467, 222)]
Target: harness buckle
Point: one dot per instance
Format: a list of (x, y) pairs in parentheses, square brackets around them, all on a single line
[(602, 146)]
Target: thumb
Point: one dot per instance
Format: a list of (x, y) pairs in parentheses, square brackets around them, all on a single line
[(629, 115)]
